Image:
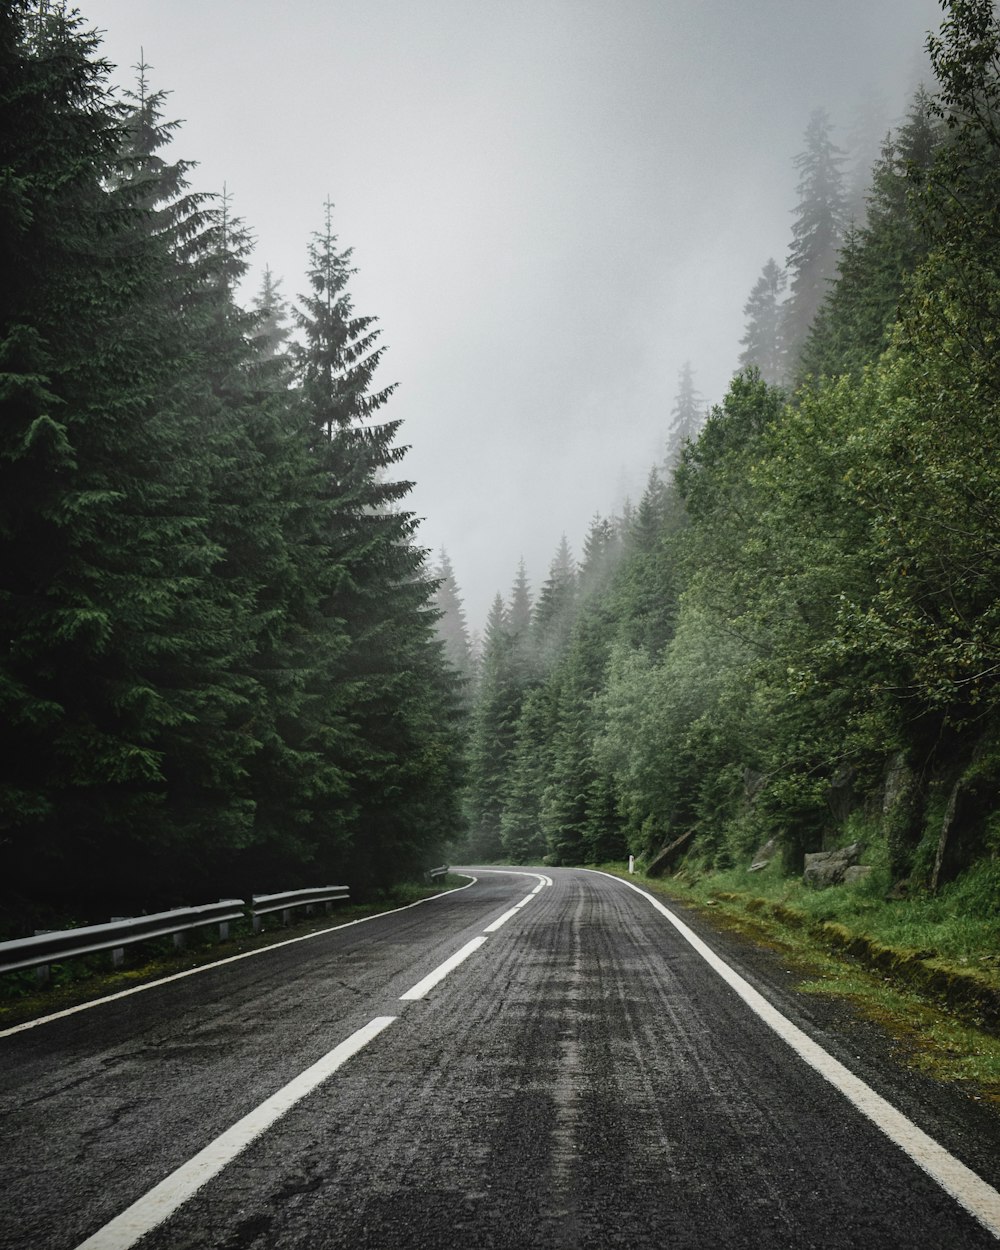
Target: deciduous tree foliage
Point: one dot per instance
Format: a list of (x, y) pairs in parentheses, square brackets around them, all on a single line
[(801, 638)]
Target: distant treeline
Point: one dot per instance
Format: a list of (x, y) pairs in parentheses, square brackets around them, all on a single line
[(219, 668), (796, 633)]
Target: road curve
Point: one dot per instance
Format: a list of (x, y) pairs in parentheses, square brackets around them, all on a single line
[(540, 1060)]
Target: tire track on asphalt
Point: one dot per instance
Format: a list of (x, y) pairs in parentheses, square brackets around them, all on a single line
[(968, 1189), (538, 1100), (219, 963), (159, 1203)]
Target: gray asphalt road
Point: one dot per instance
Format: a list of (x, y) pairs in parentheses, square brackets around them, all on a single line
[(584, 1078)]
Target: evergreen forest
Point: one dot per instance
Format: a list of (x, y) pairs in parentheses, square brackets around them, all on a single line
[(794, 635), (229, 666), (220, 670)]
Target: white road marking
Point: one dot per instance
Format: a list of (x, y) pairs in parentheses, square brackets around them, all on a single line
[(540, 877), (501, 920), (439, 973), (161, 1201), (219, 963), (970, 1191)]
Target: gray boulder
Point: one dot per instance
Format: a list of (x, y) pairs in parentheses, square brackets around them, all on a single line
[(824, 868), (763, 855)]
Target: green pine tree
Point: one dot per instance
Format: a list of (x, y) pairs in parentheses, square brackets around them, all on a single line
[(878, 257), (109, 562), (817, 233), (492, 733), (685, 417), (554, 610), (763, 342), (452, 629), (395, 693)]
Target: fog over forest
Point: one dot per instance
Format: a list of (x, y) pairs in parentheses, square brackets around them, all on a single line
[(553, 206)]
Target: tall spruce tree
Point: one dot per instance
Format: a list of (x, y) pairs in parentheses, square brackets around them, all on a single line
[(555, 608), (868, 123), (879, 256), (451, 626), (234, 416), (222, 663), (272, 329), (109, 564), (521, 832), (59, 138), (686, 416), (492, 734), (817, 233), (387, 677), (564, 808), (601, 549), (643, 591), (519, 617), (519, 605), (763, 341)]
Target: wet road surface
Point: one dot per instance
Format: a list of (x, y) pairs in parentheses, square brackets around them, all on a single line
[(539, 1060)]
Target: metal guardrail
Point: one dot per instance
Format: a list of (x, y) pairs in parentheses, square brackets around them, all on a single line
[(434, 873), (263, 904), (54, 947), (47, 948)]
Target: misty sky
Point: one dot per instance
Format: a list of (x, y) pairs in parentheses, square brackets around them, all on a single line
[(552, 204)]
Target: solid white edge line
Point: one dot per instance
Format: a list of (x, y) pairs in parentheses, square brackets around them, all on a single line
[(968, 1189), (439, 973), (162, 1200), (219, 963)]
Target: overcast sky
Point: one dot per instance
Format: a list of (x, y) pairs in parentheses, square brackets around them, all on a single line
[(553, 204)]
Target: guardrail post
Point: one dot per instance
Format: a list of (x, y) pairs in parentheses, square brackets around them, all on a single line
[(53, 946), (42, 972), (224, 931), (118, 952), (288, 901), (258, 923), (180, 941)]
